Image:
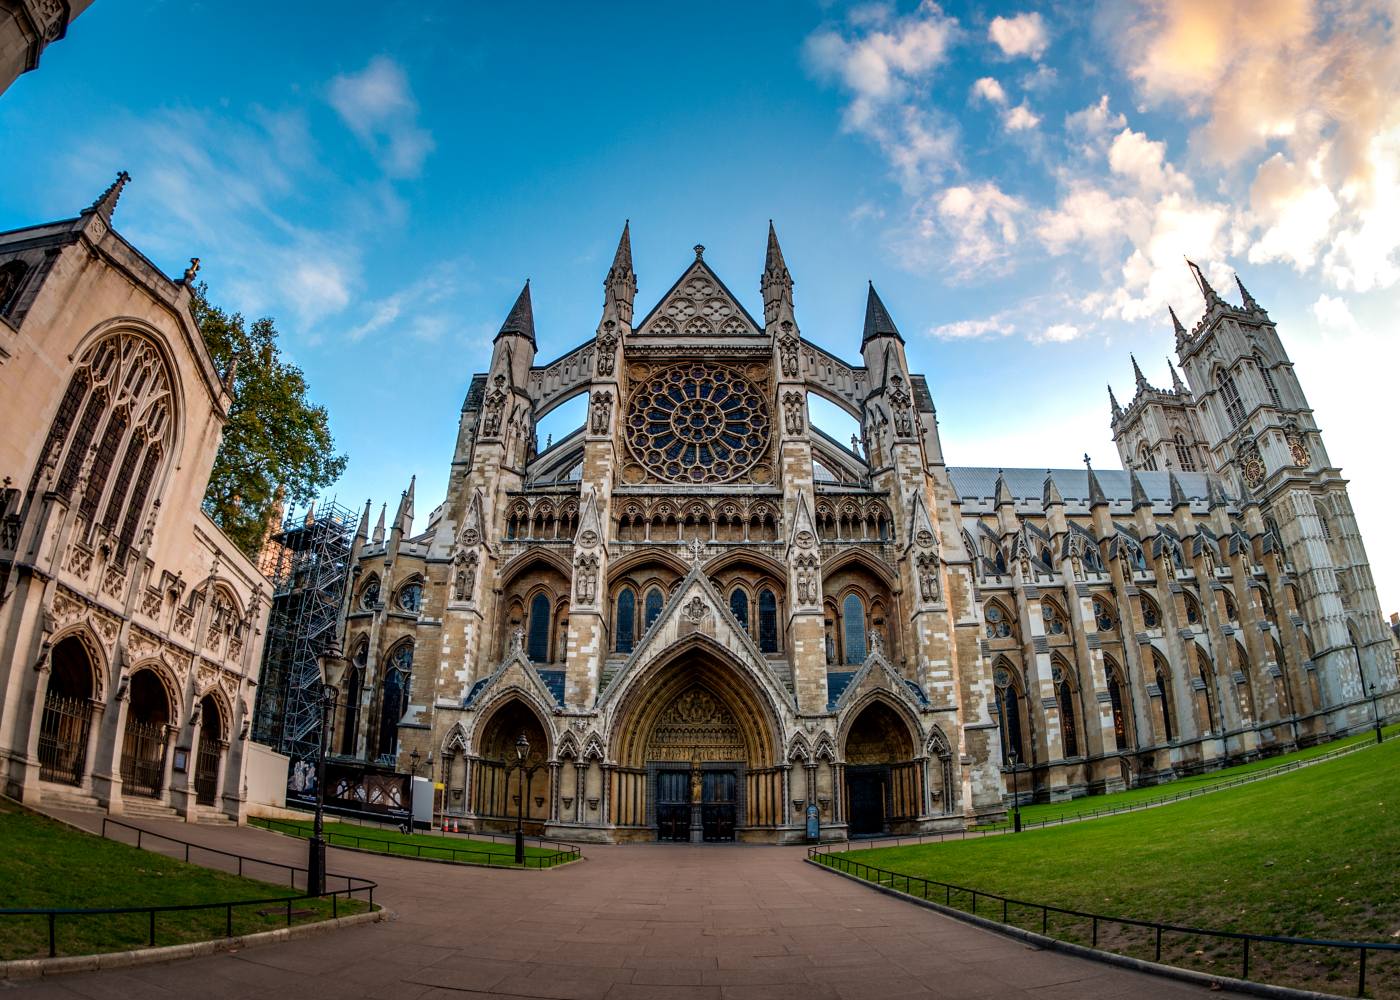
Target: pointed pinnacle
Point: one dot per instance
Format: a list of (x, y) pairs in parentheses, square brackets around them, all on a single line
[(1139, 494), (622, 259), (773, 262), (521, 319), (106, 202), (1245, 297), (1113, 403), (1216, 494), (1002, 492), (1207, 292), (1050, 493), (1178, 495), (1096, 494), (878, 322), (1177, 384), (1176, 325), (1137, 374)]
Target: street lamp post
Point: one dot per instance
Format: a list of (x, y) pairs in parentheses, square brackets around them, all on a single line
[(1015, 793), (522, 750), (413, 759), (332, 667), (1375, 713)]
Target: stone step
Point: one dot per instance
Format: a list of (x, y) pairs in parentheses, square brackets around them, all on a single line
[(60, 797), (147, 808)]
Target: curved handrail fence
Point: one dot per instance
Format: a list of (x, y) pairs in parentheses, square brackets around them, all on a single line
[(122, 927), (562, 853), (998, 908)]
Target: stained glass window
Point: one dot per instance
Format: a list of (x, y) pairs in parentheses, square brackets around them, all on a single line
[(537, 647), (853, 627), (739, 604), (767, 621), (624, 625), (653, 605)]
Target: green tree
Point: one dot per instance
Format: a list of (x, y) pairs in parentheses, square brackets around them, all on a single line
[(274, 436)]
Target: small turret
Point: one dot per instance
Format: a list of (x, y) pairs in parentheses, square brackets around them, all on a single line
[(1177, 385), (1113, 405), (1248, 300), (1178, 329), (776, 284), (521, 320), (878, 322), (1138, 377)]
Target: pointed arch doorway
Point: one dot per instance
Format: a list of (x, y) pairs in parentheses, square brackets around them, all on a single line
[(696, 753)]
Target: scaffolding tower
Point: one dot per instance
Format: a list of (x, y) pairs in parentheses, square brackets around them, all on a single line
[(309, 563)]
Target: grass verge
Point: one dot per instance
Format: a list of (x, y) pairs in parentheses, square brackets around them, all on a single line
[(1042, 812), (46, 864), (442, 847), (1313, 853)]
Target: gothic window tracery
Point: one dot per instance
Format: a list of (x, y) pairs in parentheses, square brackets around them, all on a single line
[(653, 607), (1184, 456), (1268, 377), (1193, 610), (369, 594), (11, 279), (767, 621), (537, 629), (411, 596), (739, 605), (1054, 618), (1104, 616), (398, 676), (1164, 702), (698, 423), (998, 623), (1068, 728), (853, 628), (1145, 459), (624, 620), (1230, 397), (1115, 698), (1009, 712), (1151, 617)]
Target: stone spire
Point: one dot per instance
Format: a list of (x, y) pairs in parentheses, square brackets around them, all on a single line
[(1211, 296), (1096, 495), (378, 535), (1216, 494), (1140, 498), (1137, 374), (877, 320), (1113, 404), (1002, 492), (404, 518), (521, 321), (362, 533), (1177, 385), (1178, 329), (776, 283), (106, 203), (620, 286), (1248, 300), (1178, 495), (1050, 494)]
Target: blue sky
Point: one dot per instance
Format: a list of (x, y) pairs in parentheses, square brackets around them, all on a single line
[(1020, 181)]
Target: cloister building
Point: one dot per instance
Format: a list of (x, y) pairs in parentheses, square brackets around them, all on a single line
[(129, 625), (708, 619)]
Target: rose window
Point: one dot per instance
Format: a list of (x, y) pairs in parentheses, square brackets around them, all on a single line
[(698, 423)]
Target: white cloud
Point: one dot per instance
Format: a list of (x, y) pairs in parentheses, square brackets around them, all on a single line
[(981, 222), (1086, 214), (974, 329), (1020, 118), (1059, 333), (990, 90), (1334, 314), (378, 106), (1138, 158), (1022, 35)]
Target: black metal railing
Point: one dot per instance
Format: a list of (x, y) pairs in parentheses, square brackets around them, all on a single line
[(239, 864), (562, 853), (206, 771), (63, 737), (967, 899)]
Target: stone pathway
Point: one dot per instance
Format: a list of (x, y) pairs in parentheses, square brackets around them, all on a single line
[(658, 922)]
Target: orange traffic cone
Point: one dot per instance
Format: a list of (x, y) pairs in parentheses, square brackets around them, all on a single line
[(455, 827)]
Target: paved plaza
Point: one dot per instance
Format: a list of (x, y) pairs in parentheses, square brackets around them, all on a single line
[(722, 923)]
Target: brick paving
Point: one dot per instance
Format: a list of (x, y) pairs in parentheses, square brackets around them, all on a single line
[(654, 922)]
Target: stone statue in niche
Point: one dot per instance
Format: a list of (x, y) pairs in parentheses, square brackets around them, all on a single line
[(928, 576), (607, 347), (787, 350), (899, 406), (464, 581), (807, 569), (792, 411), (495, 403), (586, 579), (601, 411)]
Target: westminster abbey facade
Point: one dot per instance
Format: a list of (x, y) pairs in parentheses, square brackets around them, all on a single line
[(698, 617)]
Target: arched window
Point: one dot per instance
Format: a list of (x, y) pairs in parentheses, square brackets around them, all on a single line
[(537, 646), (853, 628), (998, 627), (1008, 705), (739, 604), (1115, 699), (353, 686), (1054, 618), (1151, 618), (1193, 610), (1166, 702), (120, 400), (1145, 459), (11, 279), (1231, 612), (369, 596), (1104, 616), (653, 606), (1067, 724), (411, 596), (398, 677), (1268, 377), (1230, 397), (1184, 456), (624, 621), (1326, 526), (767, 621)]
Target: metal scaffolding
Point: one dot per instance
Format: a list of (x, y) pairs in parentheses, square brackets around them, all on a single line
[(309, 562)]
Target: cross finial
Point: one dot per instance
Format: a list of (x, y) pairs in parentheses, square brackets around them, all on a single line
[(1086, 458), (699, 251)]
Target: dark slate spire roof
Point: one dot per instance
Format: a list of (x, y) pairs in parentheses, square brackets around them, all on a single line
[(522, 317), (773, 262), (877, 319), (1178, 495), (1095, 491), (1177, 384), (1245, 297), (1113, 403), (1139, 494), (106, 202), (1137, 373)]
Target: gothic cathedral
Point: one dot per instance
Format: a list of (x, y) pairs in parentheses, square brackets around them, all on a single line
[(698, 617)]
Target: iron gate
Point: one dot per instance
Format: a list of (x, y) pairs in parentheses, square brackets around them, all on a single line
[(206, 772), (63, 737), (143, 758)]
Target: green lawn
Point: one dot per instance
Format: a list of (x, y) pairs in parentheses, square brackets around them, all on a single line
[(1088, 805), (1312, 853), (46, 864), (447, 847)]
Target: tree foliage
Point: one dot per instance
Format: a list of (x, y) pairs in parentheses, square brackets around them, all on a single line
[(275, 438)]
